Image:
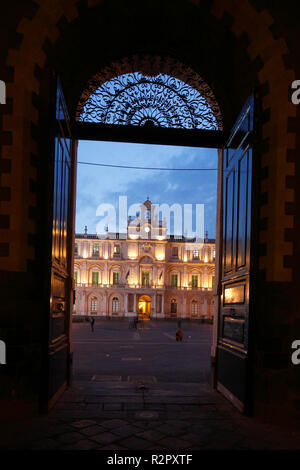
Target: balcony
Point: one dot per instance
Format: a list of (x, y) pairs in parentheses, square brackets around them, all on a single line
[(140, 286), (189, 288)]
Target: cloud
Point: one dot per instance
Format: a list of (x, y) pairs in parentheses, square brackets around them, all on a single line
[(96, 185)]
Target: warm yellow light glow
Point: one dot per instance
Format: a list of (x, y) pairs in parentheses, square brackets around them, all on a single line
[(185, 258), (133, 236), (205, 259), (105, 256), (84, 254), (132, 251), (133, 281), (160, 257)]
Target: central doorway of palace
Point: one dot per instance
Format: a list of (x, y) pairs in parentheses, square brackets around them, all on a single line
[(144, 307)]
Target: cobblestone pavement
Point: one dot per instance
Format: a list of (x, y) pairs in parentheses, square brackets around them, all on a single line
[(141, 412)]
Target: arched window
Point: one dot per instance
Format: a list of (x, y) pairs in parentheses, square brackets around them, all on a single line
[(115, 304), (94, 304), (173, 306), (140, 100), (194, 307)]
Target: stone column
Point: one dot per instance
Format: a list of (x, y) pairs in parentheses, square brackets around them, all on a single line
[(134, 304), (185, 276), (205, 277), (107, 304), (153, 306), (104, 274), (126, 304), (163, 304), (84, 302), (80, 307), (184, 312), (84, 273), (204, 312), (154, 274)]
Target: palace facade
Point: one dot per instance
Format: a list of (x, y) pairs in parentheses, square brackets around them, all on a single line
[(149, 273)]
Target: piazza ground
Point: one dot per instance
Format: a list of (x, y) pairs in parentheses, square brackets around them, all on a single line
[(118, 351), (139, 389)]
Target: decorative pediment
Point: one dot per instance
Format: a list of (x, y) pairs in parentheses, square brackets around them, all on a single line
[(146, 260), (146, 247)]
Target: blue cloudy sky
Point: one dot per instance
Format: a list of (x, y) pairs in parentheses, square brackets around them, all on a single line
[(96, 185)]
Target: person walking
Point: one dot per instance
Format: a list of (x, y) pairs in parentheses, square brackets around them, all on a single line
[(179, 334), (92, 321)]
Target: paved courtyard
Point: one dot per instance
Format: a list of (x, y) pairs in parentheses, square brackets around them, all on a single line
[(142, 390), (116, 349)]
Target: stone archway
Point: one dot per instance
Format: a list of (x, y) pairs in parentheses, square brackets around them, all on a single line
[(144, 307), (151, 66)]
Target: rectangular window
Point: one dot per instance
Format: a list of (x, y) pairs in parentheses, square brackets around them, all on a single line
[(195, 253), (95, 278), (94, 305), (76, 277), (158, 303), (145, 278), (116, 278), (174, 280), (130, 302), (175, 251), (213, 281), (117, 250), (76, 249), (194, 280), (96, 249)]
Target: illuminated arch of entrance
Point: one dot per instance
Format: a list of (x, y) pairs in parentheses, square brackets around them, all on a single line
[(144, 306), (149, 91)]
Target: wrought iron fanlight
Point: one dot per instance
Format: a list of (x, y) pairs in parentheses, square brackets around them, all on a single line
[(139, 100)]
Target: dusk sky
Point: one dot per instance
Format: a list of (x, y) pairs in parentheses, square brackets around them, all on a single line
[(96, 185)]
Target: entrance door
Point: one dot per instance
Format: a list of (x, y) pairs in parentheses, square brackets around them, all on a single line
[(232, 373), (144, 307), (62, 202)]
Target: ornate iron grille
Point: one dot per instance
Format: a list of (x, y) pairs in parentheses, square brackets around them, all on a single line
[(139, 100)]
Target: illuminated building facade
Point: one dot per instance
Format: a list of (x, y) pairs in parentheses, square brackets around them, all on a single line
[(157, 277)]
